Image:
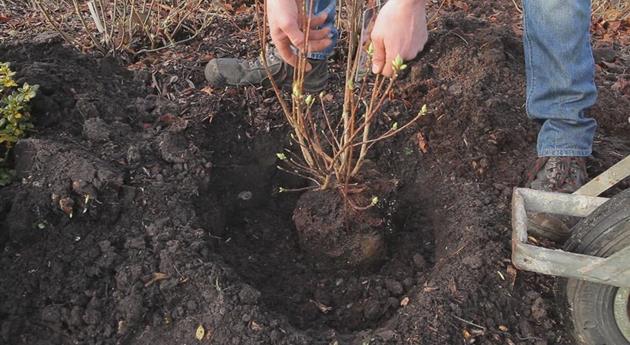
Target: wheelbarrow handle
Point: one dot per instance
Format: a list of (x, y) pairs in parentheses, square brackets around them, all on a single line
[(607, 179)]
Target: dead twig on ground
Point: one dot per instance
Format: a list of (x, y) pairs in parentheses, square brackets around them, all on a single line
[(126, 26), (611, 10), (469, 323)]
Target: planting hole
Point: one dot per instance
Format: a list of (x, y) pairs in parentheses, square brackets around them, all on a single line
[(259, 241)]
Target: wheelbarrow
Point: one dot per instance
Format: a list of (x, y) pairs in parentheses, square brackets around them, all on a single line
[(594, 264)]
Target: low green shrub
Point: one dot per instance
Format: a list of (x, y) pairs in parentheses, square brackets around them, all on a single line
[(15, 118)]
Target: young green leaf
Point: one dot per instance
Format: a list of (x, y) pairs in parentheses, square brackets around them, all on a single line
[(370, 49), (398, 64), (297, 91), (309, 100), (374, 201)]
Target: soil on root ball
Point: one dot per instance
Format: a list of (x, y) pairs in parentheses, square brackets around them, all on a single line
[(329, 229), (337, 230)]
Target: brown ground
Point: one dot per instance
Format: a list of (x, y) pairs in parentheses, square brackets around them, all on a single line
[(170, 239)]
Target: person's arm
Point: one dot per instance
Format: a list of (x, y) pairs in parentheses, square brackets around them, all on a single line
[(400, 29), (284, 27)]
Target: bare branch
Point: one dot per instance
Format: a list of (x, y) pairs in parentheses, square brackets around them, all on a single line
[(330, 155)]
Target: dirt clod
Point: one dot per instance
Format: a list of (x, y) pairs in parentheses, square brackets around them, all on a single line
[(329, 229), (96, 130), (539, 309), (248, 295), (162, 240)]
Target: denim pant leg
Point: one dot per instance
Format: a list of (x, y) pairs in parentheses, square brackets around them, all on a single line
[(560, 75), (330, 7)]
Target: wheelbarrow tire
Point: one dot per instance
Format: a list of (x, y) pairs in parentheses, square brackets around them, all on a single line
[(588, 307)]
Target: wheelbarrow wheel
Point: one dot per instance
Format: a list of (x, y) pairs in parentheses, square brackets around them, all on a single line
[(598, 314)]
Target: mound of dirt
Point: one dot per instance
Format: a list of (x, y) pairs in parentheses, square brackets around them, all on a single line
[(177, 224)]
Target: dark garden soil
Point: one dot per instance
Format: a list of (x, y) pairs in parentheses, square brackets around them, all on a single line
[(147, 204)]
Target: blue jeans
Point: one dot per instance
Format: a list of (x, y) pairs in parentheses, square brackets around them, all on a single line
[(560, 72), (330, 7), (560, 75)]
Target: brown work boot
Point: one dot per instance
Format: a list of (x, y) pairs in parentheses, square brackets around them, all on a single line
[(223, 72), (556, 174)]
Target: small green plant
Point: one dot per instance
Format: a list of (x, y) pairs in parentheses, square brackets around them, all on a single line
[(15, 119)]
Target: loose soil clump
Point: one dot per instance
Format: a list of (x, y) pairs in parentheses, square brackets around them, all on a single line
[(330, 229), (184, 227), (347, 230)]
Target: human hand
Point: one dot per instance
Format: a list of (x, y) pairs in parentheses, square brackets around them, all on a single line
[(284, 27), (400, 29)]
